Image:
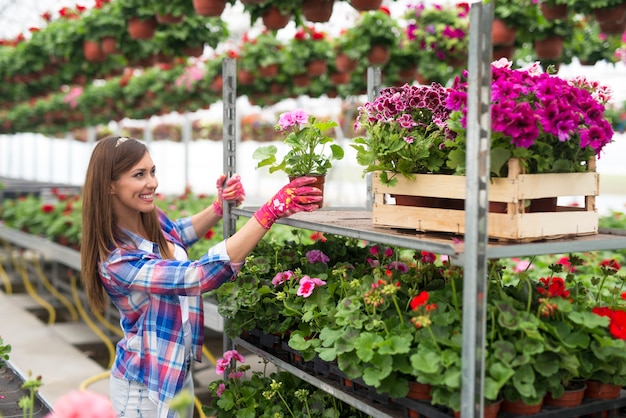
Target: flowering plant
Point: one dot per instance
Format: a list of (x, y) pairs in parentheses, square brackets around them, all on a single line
[(406, 128), (307, 139), (439, 32), (551, 124), (308, 44)]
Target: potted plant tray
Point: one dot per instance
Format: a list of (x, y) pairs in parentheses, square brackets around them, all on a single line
[(516, 224)]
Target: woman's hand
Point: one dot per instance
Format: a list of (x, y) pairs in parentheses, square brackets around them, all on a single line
[(230, 190)]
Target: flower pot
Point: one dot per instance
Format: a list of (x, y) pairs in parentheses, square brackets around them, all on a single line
[(244, 77), (613, 28), (217, 84), (552, 12), (491, 410), (108, 44), (520, 407), (363, 5), (340, 78), (599, 390), (168, 19), (93, 52), (570, 398), (193, 51), (301, 80), (142, 29), (317, 11), (503, 51), (609, 14), (209, 7), (274, 19), (345, 64), (502, 34), (378, 55), (320, 181), (269, 71), (549, 48), (419, 391), (317, 68), (407, 75)]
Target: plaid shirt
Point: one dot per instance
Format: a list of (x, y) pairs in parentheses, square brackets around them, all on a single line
[(146, 288)]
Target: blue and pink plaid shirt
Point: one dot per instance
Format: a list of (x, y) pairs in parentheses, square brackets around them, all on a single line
[(146, 290)]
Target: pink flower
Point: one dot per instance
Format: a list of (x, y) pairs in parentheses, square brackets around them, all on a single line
[(307, 284), (294, 118), (222, 364), (220, 389), (282, 277), (82, 404), (523, 265)]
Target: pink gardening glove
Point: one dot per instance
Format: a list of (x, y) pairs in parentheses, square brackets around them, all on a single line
[(292, 198), (231, 190)]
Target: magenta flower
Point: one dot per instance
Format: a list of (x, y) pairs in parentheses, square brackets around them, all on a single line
[(220, 389), (222, 363)]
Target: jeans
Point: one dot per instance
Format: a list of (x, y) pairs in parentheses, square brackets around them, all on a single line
[(130, 399)]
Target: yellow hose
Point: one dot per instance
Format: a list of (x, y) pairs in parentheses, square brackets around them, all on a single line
[(90, 380), (8, 288), (115, 329), (53, 291), (208, 355), (89, 322), (20, 267)]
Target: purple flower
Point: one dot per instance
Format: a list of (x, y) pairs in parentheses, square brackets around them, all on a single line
[(317, 256)]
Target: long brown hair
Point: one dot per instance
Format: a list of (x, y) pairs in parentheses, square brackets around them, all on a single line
[(111, 157)]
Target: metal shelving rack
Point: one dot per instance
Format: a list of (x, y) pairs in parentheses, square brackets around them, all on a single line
[(472, 254)]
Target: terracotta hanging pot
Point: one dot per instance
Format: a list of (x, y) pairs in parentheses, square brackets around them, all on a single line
[(317, 10), (344, 63), (407, 75), (108, 44), (142, 28), (363, 5), (340, 78), (168, 19), (92, 51), (570, 398), (552, 12), (503, 51), (245, 77), (193, 51), (317, 68), (612, 28), (549, 48), (209, 7), (519, 407), (269, 71), (502, 34), (614, 14), (274, 19), (301, 80), (378, 55)]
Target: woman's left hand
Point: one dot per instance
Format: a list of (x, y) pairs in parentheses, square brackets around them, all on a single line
[(230, 190)]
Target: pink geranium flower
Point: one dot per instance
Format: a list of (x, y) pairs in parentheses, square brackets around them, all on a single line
[(82, 404)]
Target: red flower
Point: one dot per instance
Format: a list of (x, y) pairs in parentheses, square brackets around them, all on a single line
[(318, 236), (612, 265), (419, 300), (46, 16), (385, 10), (617, 327), (555, 287), (602, 311), (300, 35), (47, 208), (209, 234), (428, 257), (318, 36)]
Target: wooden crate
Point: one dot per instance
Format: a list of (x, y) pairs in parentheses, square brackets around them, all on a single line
[(517, 224)]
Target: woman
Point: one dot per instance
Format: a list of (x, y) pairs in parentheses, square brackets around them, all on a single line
[(132, 252)]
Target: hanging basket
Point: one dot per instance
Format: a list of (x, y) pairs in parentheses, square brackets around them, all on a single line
[(212, 8), (108, 44), (93, 52), (317, 10), (502, 34), (378, 55), (317, 68), (168, 19), (344, 63), (553, 12), (274, 19), (364, 5), (549, 48), (142, 28)]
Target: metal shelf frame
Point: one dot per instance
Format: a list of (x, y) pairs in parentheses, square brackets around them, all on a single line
[(474, 250)]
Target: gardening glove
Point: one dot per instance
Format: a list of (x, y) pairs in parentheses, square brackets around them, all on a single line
[(292, 198), (230, 190)]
